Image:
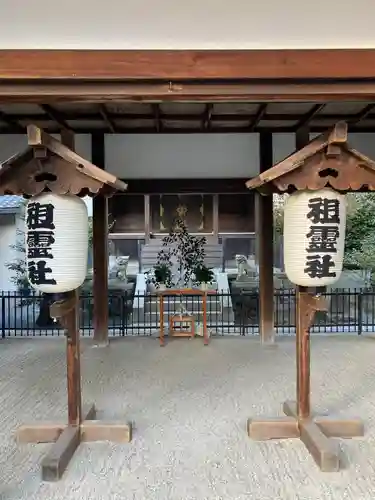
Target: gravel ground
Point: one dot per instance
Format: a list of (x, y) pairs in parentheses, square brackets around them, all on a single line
[(189, 405)]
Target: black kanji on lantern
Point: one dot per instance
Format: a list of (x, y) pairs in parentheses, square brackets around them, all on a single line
[(38, 273), (39, 253), (40, 216), (323, 239), (319, 266), (40, 238), (324, 211)]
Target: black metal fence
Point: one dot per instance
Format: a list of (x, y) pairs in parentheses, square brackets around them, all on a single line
[(349, 311)]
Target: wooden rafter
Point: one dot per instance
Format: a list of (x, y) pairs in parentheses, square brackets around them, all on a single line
[(258, 116), (207, 116), (12, 123), (55, 116), (107, 119), (157, 117), (362, 115), (188, 117), (306, 119)]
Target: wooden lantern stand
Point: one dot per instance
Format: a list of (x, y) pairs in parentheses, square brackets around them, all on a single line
[(81, 425), (326, 161), (314, 431), (48, 165)]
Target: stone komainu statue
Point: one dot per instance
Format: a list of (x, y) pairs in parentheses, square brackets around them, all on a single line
[(244, 269)]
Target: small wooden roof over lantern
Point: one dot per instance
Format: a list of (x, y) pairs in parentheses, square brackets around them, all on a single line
[(47, 165), (327, 161)]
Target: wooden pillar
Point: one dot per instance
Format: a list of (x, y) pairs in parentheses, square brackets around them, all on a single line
[(302, 333), (71, 323), (100, 249), (264, 231)]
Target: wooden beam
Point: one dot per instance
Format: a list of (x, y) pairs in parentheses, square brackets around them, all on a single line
[(106, 118), (306, 119), (366, 111), (175, 186), (100, 250), (193, 117), (258, 116), (12, 122), (264, 230), (252, 91), (59, 456), (206, 125), (187, 64), (156, 116), (146, 205), (188, 131), (55, 116)]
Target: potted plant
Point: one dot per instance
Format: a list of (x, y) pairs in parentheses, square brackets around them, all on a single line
[(162, 276), (203, 276)]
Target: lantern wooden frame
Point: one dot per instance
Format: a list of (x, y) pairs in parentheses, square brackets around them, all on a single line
[(326, 161), (49, 165)]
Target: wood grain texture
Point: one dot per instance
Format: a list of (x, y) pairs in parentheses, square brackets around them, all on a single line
[(348, 171), (184, 64), (60, 454), (55, 91), (265, 247)]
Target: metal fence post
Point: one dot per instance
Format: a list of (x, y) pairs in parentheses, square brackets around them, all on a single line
[(360, 314), (2, 316)]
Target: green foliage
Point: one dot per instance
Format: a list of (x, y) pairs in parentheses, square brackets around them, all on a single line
[(360, 221), (203, 274), (162, 274), (187, 250), (364, 257), (360, 233), (18, 265)]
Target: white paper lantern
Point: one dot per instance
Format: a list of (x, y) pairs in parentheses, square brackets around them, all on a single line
[(56, 242), (314, 237)]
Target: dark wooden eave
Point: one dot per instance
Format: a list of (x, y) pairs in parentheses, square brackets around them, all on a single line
[(326, 161), (48, 165)]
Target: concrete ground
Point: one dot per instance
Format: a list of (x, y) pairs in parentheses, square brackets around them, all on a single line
[(189, 405)]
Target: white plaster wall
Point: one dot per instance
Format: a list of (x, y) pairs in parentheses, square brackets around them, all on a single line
[(196, 24), (12, 144), (182, 156)]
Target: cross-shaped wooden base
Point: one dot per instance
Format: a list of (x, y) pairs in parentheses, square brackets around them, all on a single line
[(67, 438), (81, 425), (314, 432)]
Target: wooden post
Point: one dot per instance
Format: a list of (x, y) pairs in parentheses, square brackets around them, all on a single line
[(302, 333), (100, 250), (73, 361), (264, 230), (302, 357), (314, 431)]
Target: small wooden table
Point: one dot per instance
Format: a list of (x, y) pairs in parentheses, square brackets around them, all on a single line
[(179, 292)]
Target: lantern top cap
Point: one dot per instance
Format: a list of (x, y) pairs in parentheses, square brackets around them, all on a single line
[(325, 161), (45, 156)]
